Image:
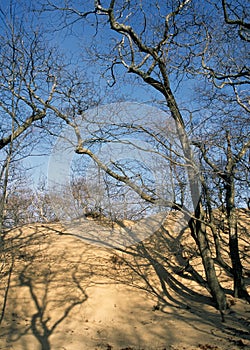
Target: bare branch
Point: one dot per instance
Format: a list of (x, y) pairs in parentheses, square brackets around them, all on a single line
[(28, 122), (237, 21)]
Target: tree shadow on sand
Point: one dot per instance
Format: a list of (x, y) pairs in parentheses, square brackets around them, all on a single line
[(167, 265), (42, 291), (41, 325), (182, 284), (55, 266)]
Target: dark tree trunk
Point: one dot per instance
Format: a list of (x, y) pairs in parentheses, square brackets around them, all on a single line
[(197, 225), (229, 178), (240, 290), (198, 229)]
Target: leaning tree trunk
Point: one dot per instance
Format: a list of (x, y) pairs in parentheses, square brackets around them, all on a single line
[(197, 224), (199, 233)]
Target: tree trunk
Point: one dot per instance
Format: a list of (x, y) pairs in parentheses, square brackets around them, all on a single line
[(240, 290), (198, 229), (197, 225), (215, 230)]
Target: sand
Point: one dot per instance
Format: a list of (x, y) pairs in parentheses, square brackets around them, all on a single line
[(62, 292)]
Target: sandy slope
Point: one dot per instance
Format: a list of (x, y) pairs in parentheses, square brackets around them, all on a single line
[(64, 293)]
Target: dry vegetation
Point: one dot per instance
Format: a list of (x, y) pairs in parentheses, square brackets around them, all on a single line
[(60, 292)]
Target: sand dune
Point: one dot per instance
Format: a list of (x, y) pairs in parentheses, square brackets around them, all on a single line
[(60, 291)]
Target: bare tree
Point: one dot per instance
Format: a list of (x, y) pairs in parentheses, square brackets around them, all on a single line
[(168, 47), (227, 172), (27, 70), (146, 49)]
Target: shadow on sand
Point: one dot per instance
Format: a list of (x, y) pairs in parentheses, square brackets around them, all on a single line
[(47, 270), (38, 290)]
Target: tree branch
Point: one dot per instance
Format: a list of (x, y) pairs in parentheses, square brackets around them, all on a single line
[(34, 117)]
